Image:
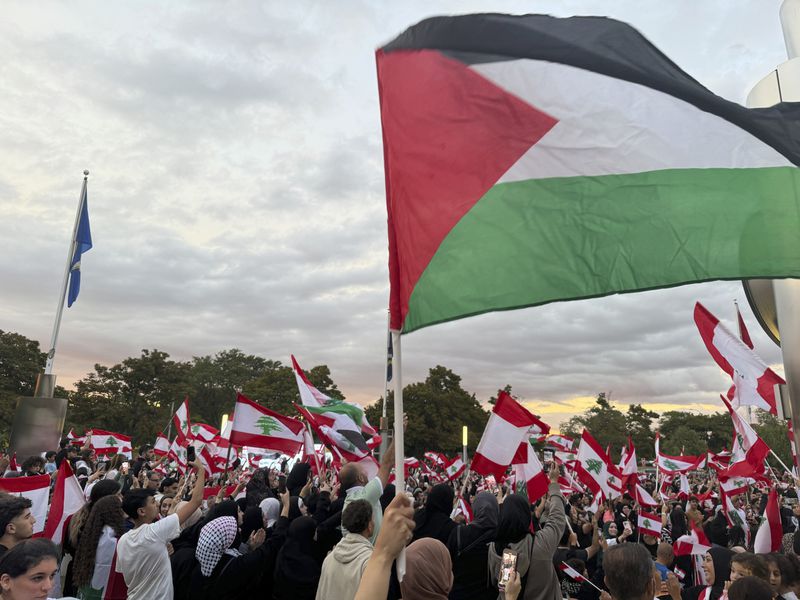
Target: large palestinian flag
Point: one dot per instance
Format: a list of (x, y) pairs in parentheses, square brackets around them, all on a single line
[(531, 159)]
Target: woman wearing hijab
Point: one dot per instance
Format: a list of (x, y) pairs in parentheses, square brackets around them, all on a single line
[(270, 509), (298, 477), (297, 569), (434, 520), (717, 568), (468, 547), (222, 573), (429, 571)]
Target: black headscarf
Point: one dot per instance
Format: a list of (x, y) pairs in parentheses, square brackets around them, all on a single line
[(433, 521), (485, 511), (387, 496), (515, 521), (253, 520), (296, 567), (298, 477), (294, 508), (677, 520), (257, 489), (722, 573)]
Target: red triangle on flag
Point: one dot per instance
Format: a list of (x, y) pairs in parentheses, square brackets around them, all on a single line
[(449, 134)]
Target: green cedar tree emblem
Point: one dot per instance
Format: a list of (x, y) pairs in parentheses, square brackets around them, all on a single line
[(111, 441), (268, 425), (671, 465), (646, 523), (594, 466)]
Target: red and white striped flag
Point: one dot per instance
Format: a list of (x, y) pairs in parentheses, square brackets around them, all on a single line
[(161, 447), (571, 573), (560, 442), (592, 466), (36, 489), (455, 468), (506, 429), (768, 536), (748, 451), (643, 498), (181, 421), (462, 508), (753, 381), (203, 432), (694, 542), (178, 453), (257, 426), (437, 458), (649, 524), (529, 472), (67, 499), (108, 442)]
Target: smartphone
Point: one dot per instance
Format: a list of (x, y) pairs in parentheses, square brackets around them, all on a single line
[(190, 454), (507, 569), (627, 525), (236, 464), (281, 484)]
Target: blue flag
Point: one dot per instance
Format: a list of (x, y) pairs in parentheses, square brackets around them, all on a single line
[(83, 243)]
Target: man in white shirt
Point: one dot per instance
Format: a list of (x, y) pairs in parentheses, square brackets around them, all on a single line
[(142, 552)]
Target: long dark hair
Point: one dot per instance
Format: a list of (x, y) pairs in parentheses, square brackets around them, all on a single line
[(515, 521), (106, 511)]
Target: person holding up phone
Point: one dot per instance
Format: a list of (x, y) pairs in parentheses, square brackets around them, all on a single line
[(142, 556)]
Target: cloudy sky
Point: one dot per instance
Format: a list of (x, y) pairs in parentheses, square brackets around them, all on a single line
[(236, 197)]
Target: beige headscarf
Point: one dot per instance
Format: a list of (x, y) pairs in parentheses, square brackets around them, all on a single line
[(429, 571)]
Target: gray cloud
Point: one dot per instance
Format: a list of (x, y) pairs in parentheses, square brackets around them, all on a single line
[(237, 197)]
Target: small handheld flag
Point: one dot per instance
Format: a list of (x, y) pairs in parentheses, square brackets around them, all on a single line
[(573, 574)]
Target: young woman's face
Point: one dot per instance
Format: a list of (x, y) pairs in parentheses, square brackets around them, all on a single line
[(612, 529), (166, 504), (774, 576), (738, 571), (708, 568), (36, 582)]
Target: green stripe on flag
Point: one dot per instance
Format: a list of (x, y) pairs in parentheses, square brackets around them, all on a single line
[(536, 241), (342, 408)]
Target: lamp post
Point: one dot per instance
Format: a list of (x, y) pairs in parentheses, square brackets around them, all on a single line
[(464, 443), (223, 424)]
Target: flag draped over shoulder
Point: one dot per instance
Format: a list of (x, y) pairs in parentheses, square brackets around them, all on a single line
[(507, 139)]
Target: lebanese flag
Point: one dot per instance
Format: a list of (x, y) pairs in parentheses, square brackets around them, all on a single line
[(67, 499), (674, 464), (743, 333), (436, 458), (255, 425), (455, 468), (203, 432), (462, 508), (177, 452), (592, 465), (506, 429), (749, 450), (562, 443), (649, 523), (108, 442), (768, 536), (684, 491), (161, 447), (629, 469), (642, 497), (571, 573), (310, 454), (735, 516), (694, 542), (181, 421), (37, 490), (753, 381), (508, 139), (528, 470)]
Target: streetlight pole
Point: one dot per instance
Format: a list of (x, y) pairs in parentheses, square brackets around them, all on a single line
[(464, 443)]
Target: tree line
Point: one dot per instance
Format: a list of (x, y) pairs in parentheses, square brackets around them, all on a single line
[(138, 396)]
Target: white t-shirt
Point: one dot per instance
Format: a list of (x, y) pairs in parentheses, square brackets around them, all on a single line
[(143, 560)]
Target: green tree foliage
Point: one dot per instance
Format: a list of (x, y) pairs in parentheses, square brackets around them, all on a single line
[(774, 432), (437, 408), (132, 397), (639, 425), (690, 432)]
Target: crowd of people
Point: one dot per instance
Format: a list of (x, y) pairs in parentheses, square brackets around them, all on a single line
[(147, 533)]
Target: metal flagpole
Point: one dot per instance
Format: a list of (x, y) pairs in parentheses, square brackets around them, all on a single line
[(48, 369), (399, 450), (384, 424)]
